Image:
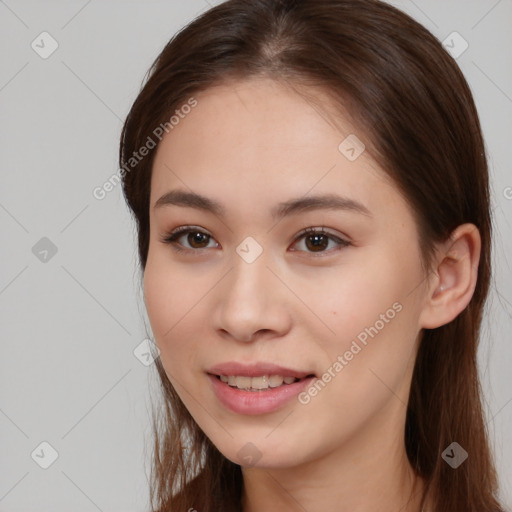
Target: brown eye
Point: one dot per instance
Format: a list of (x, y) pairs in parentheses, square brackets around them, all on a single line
[(197, 239), (319, 241), (189, 238)]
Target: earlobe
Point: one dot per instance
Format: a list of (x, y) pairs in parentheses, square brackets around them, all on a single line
[(453, 282)]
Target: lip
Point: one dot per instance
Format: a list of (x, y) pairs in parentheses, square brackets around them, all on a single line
[(257, 402), (256, 370)]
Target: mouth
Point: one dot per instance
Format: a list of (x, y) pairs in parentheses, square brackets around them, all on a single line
[(259, 383), (257, 375), (258, 393)]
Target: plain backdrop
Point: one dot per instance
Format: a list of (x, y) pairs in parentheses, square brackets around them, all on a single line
[(74, 389)]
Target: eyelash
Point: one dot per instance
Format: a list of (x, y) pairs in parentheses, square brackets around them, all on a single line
[(172, 237)]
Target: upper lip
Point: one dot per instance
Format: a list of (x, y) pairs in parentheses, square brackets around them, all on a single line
[(256, 370)]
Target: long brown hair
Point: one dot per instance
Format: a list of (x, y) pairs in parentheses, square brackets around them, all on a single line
[(412, 102)]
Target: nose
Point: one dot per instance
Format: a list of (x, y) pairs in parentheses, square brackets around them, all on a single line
[(251, 302)]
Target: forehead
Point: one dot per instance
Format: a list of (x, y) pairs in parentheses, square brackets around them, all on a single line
[(262, 114), (262, 139)]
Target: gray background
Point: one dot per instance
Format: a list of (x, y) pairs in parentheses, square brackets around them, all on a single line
[(70, 321)]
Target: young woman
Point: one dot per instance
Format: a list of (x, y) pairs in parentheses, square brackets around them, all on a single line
[(311, 194)]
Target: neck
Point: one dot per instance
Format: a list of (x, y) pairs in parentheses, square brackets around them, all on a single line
[(369, 471), (353, 490)]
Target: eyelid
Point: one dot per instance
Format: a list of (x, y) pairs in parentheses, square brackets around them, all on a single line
[(185, 229), (170, 238), (340, 240), (313, 230)]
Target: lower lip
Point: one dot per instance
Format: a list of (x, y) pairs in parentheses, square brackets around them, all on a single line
[(257, 402)]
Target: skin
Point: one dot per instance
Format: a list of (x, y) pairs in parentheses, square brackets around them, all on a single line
[(250, 145)]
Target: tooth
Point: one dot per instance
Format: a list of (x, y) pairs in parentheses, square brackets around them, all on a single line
[(256, 383), (243, 382), (275, 381), (260, 382)]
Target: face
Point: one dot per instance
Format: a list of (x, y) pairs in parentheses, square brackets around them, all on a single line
[(297, 255)]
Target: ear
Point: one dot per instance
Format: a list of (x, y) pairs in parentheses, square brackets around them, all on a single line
[(453, 281)]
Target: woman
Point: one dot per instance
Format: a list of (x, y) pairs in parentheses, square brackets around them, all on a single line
[(310, 188)]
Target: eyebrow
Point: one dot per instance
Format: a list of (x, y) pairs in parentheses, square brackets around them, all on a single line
[(291, 207)]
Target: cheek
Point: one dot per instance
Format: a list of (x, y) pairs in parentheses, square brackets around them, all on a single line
[(358, 300), (168, 293), (373, 313), (169, 301), (374, 346), (159, 299)]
